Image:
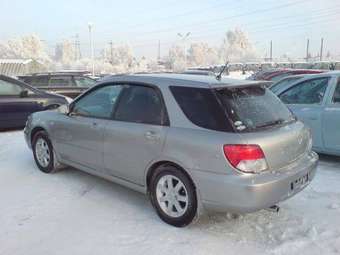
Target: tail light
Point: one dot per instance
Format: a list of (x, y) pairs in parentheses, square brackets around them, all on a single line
[(248, 158)]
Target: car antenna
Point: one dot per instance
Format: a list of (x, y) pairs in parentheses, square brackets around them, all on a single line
[(219, 76)]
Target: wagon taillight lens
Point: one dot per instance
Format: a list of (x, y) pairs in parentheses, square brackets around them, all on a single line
[(247, 158)]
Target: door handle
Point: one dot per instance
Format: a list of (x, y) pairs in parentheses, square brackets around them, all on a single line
[(151, 135), (313, 118)]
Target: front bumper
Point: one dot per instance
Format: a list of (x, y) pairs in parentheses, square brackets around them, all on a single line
[(27, 134), (250, 193)]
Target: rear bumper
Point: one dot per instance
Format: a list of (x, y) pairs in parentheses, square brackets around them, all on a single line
[(249, 193)]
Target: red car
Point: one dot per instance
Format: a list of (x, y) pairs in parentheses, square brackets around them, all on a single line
[(275, 76)]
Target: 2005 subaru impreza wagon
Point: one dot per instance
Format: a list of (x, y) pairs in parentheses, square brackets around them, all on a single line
[(189, 142)]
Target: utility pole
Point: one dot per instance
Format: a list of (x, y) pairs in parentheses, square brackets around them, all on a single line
[(184, 39), (307, 51), (90, 26), (159, 51), (321, 49), (111, 51), (77, 54), (271, 51)]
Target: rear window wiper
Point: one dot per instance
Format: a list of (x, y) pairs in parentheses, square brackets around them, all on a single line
[(271, 123)]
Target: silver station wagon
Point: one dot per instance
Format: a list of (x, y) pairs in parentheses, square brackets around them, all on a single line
[(189, 142)]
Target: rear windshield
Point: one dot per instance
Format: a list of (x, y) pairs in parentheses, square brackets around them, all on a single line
[(252, 108)]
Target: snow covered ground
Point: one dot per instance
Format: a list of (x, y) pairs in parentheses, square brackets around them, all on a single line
[(71, 212)]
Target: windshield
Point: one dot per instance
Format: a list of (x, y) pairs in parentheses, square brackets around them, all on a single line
[(281, 84), (252, 108)]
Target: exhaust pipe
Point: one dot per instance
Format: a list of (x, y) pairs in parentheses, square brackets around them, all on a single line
[(274, 208)]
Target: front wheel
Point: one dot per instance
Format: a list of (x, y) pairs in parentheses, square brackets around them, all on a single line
[(43, 152), (173, 195)]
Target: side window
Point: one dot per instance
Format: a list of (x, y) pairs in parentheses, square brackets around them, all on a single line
[(140, 104), (9, 89), (336, 96), (84, 81), (60, 81), (99, 103), (307, 92)]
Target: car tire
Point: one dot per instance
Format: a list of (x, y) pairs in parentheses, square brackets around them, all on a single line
[(173, 195), (43, 152)]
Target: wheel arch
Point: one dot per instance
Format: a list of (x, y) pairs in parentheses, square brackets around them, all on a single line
[(151, 169), (34, 131)]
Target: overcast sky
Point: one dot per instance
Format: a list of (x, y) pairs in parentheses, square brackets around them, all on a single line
[(142, 23)]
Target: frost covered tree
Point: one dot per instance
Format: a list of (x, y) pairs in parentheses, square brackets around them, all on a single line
[(65, 54), (30, 46), (200, 54), (120, 57), (176, 58), (236, 47)]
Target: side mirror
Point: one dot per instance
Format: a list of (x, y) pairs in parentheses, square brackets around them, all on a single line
[(64, 109), (23, 93)]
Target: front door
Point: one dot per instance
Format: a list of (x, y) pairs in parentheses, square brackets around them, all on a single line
[(16, 104), (80, 134), (137, 134), (306, 100), (331, 121)]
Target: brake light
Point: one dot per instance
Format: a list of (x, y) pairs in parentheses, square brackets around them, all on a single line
[(248, 158)]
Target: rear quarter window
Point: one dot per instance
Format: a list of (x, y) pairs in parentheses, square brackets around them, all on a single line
[(201, 107)]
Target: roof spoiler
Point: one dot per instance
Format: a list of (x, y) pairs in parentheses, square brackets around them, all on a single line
[(245, 84)]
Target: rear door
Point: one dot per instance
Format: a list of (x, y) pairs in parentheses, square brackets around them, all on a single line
[(137, 134), (307, 100), (80, 135), (331, 120)]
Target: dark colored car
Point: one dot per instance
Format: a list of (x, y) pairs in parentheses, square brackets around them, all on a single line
[(69, 84), (18, 100)]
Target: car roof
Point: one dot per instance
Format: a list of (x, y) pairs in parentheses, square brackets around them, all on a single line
[(324, 74), (201, 72), (182, 80)]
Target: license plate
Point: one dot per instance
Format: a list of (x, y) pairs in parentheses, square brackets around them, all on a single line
[(300, 182)]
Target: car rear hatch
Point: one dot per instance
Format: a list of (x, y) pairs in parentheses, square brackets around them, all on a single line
[(262, 119)]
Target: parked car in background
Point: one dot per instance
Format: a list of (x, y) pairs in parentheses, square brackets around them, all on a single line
[(259, 75), (315, 100), (279, 85), (186, 140), (284, 73), (70, 84), (18, 100), (277, 74)]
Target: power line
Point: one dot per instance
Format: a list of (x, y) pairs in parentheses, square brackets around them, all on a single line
[(258, 11)]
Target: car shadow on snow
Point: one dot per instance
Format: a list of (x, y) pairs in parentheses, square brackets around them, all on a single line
[(329, 158)]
